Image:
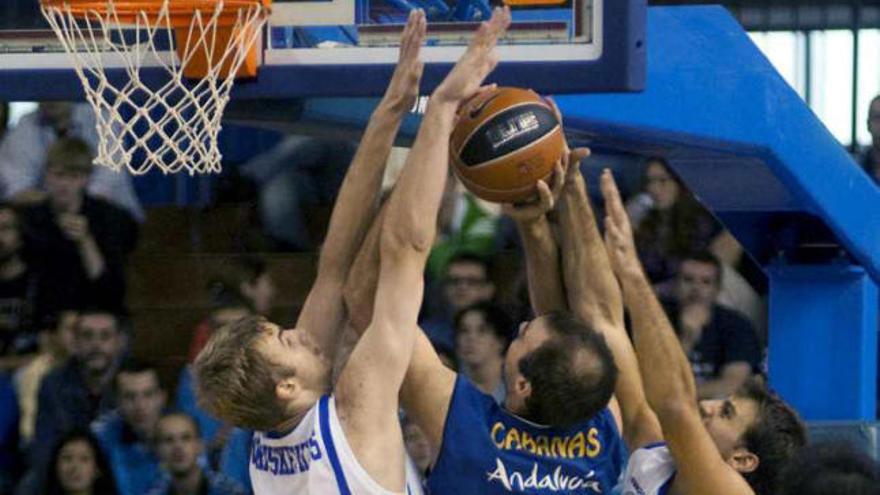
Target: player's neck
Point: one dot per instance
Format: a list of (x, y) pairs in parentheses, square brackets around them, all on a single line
[(485, 375), (291, 423)]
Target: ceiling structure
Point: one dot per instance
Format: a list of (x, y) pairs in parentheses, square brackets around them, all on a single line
[(772, 15)]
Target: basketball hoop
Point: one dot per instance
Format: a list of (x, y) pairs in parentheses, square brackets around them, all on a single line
[(171, 125)]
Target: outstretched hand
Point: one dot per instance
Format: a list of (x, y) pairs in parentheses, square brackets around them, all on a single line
[(466, 78), (619, 241), (404, 86), (547, 195), (574, 156)]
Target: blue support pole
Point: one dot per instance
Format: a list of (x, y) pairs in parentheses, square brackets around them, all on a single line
[(823, 340)]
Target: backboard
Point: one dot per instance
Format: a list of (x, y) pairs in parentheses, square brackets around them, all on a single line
[(349, 47)]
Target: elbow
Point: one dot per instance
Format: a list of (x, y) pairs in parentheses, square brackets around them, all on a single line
[(403, 238)]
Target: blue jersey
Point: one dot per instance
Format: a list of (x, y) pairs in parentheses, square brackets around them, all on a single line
[(488, 450)]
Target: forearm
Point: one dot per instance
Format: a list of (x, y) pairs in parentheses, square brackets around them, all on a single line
[(593, 290), (546, 291), (358, 197), (92, 260), (415, 203), (594, 296), (360, 285), (666, 372)]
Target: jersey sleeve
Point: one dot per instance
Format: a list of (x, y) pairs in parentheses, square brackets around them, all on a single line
[(650, 471)]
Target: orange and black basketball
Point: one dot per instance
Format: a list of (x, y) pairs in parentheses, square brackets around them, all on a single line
[(504, 143)]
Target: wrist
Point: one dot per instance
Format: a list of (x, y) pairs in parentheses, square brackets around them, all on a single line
[(442, 114), (441, 105), (532, 225), (393, 107)]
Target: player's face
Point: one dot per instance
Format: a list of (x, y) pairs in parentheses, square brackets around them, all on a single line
[(475, 340), (531, 335), (661, 186), (726, 420), (178, 445), (303, 363)]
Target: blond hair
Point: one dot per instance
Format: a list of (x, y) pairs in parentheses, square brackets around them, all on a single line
[(234, 381)]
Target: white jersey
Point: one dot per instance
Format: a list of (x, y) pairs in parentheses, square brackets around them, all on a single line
[(315, 459), (649, 471)]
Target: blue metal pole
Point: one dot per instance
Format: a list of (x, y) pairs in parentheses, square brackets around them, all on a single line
[(823, 340)]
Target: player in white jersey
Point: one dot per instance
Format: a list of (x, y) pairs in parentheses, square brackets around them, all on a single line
[(734, 446), (255, 374), (316, 446)]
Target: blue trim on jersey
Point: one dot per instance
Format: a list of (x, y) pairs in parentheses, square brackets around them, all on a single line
[(665, 487), (324, 420), (275, 435), (655, 445)]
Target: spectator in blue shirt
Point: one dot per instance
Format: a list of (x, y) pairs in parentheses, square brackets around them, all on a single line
[(179, 444), (127, 434)]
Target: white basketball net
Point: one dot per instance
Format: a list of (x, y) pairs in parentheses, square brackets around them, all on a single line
[(173, 125)]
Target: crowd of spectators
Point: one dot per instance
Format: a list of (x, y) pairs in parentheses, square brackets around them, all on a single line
[(79, 414)]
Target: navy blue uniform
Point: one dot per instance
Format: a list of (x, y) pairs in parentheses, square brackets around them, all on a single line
[(488, 450)]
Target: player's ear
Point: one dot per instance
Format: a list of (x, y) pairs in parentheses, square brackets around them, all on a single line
[(744, 461), (286, 389), (523, 386)]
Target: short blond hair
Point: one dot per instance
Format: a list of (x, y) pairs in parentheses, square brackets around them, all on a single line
[(234, 381)]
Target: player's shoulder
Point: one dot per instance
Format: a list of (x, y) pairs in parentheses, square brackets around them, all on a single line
[(469, 400)]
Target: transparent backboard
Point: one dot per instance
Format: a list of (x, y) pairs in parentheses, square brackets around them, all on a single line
[(349, 47), (370, 29)]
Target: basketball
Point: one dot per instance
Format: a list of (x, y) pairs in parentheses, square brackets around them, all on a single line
[(505, 141)]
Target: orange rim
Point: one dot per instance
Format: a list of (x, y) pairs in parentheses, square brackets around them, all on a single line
[(180, 11)]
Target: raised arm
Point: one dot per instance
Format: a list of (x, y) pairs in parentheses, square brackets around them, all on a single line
[(546, 292), (594, 296), (368, 387), (357, 201), (428, 384), (667, 376)]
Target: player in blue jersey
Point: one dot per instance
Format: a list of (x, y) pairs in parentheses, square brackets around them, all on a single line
[(735, 446), (257, 375), (558, 431)]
